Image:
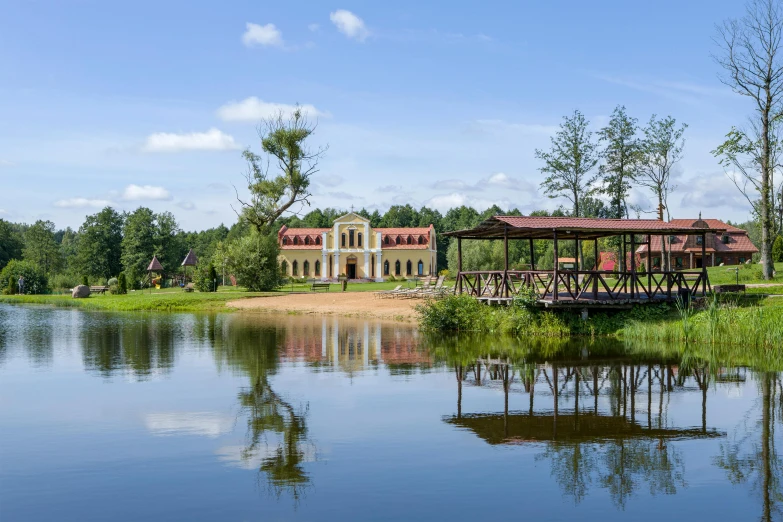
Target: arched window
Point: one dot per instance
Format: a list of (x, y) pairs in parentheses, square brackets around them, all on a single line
[(421, 240), (397, 240), (306, 268), (343, 241), (295, 268), (386, 240), (386, 268), (284, 267), (408, 267), (307, 240), (397, 267), (420, 268), (317, 240), (296, 240), (285, 240), (351, 234), (317, 268), (408, 240), (359, 240)]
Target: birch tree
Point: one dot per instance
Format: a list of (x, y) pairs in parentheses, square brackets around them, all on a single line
[(750, 55)]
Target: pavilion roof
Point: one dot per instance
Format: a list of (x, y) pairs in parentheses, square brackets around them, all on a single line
[(190, 259), (535, 227), (155, 265)]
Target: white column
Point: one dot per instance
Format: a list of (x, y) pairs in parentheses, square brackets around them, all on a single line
[(378, 262), (366, 264), (336, 265), (324, 332)]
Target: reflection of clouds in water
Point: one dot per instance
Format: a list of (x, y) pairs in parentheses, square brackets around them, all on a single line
[(207, 424), (238, 457)]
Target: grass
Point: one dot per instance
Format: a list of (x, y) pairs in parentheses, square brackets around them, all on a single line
[(748, 274)]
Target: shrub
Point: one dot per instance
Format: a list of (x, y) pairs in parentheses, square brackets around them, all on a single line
[(454, 312), (85, 281), (35, 281), (204, 278), (114, 289), (11, 288), (391, 278), (122, 284), (112, 281), (777, 250), (252, 259), (62, 281)]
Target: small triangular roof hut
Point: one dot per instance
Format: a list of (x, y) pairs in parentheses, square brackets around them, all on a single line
[(190, 259), (155, 265)]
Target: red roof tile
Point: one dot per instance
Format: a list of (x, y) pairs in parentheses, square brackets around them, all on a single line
[(544, 222)]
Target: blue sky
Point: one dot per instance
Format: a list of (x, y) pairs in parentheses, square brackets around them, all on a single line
[(436, 103)]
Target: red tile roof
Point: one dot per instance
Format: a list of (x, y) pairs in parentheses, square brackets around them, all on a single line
[(403, 233), (738, 240), (301, 233), (713, 223), (548, 222)]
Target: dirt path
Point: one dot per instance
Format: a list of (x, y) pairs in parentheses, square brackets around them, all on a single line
[(354, 304)]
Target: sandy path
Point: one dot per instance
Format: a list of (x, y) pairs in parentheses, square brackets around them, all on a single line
[(355, 304)]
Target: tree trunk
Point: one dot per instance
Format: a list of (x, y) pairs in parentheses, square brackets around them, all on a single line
[(767, 265)]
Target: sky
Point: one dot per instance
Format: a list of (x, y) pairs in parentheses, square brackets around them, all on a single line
[(428, 103)]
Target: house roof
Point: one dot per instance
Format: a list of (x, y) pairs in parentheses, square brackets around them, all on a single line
[(403, 233), (190, 259), (534, 227), (712, 223), (155, 265), (738, 241)]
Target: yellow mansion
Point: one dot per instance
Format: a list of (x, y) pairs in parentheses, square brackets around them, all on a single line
[(351, 247)]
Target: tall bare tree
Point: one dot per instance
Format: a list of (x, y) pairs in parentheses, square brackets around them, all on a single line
[(753, 66), (283, 139), (661, 149)]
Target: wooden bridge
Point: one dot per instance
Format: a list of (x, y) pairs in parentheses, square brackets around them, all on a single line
[(579, 287)]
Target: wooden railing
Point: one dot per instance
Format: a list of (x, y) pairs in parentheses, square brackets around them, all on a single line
[(581, 285)]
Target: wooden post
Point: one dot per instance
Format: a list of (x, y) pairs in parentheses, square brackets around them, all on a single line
[(668, 276), (623, 268), (576, 260), (704, 264), (532, 256), (505, 260), (459, 265), (649, 263), (633, 266), (554, 287), (597, 268)]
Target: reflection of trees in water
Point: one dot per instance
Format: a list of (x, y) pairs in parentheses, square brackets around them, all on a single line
[(124, 344), (277, 431), (751, 455), (588, 446)]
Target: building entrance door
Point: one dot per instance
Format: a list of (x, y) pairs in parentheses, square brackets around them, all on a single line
[(350, 270), (699, 262)]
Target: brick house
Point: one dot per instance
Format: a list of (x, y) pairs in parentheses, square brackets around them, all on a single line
[(732, 247)]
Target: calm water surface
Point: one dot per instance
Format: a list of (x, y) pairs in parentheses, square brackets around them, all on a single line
[(239, 417)]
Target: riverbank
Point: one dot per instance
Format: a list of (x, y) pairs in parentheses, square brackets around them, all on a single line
[(348, 304)]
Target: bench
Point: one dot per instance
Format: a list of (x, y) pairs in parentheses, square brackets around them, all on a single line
[(323, 287), (98, 289), (722, 289)]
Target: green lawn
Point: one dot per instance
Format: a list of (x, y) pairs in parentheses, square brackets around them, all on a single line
[(748, 274)]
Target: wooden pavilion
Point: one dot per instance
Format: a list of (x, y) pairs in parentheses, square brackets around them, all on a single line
[(580, 287)]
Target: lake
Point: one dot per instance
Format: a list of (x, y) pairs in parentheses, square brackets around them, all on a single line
[(235, 417)]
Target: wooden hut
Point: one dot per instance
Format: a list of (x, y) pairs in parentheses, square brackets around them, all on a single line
[(155, 268)]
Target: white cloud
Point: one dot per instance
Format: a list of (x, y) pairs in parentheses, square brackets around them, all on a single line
[(186, 205), (349, 24), (329, 180), (6, 163), (82, 203), (145, 192), (503, 180), (524, 128), (4, 212), (445, 202), (213, 139), (238, 456), (254, 109), (267, 35), (344, 195), (314, 27), (206, 424), (715, 191)]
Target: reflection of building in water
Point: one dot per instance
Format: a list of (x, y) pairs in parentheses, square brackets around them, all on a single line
[(352, 345)]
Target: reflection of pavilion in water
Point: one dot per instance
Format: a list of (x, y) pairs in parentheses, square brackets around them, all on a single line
[(353, 345), (603, 424), (573, 389)]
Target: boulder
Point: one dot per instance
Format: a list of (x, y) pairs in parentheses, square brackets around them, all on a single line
[(80, 292)]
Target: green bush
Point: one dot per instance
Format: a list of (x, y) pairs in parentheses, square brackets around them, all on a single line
[(85, 281), (122, 284), (114, 289), (452, 313), (112, 281), (35, 280), (252, 259), (205, 278), (62, 281), (11, 288), (777, 250)]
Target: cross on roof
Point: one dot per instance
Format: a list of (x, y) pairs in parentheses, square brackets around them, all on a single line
[(351, 208)]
